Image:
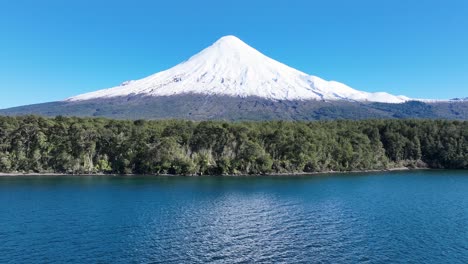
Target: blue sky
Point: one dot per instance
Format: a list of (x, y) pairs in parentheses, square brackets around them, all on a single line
[(53, 49)]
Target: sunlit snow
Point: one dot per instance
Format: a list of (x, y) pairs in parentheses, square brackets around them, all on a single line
[(231, 67)]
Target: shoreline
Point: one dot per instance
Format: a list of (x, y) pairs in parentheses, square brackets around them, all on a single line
[(19, 174)]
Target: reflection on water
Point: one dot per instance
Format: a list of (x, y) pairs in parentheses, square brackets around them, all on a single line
[(417, 217)]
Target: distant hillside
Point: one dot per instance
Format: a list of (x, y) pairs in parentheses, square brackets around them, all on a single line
[(203, 107)]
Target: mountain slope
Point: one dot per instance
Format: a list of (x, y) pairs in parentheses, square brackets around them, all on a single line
[(231, 67), (213, 107)]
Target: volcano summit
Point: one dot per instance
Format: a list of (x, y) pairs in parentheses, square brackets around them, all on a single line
[(233, 81), (231, 67)]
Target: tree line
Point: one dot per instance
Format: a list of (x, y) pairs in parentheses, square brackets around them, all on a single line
[(96, 145)]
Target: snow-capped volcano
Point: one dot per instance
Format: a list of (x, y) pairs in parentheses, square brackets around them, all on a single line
[(233, 68)]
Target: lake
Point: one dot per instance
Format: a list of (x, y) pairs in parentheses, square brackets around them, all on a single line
[(398, 217)]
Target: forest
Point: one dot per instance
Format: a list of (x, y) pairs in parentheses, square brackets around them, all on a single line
[(74, 145)]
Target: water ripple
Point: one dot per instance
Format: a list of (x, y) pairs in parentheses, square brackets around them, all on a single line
[(396, 217)]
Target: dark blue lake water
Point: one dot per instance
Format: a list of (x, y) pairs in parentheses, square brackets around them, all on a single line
[(398, 217)]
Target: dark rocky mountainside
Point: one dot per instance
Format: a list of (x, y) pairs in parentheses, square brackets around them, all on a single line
[(205, 107)]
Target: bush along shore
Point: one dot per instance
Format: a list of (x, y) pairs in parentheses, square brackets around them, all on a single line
[(68, 145)]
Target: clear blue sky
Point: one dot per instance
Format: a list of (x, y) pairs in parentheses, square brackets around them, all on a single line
[(52, 49)]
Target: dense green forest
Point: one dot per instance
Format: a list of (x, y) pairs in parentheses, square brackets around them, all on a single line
[(96, 145)]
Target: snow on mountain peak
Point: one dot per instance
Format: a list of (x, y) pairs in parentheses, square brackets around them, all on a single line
[(231, 41), (233, 68)]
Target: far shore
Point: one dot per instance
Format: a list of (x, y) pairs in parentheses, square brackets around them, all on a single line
[(13, 174)]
